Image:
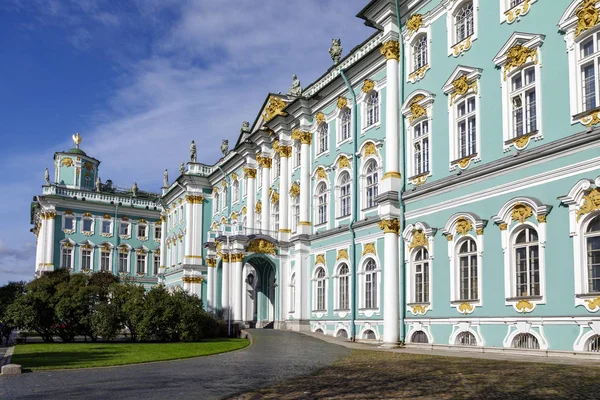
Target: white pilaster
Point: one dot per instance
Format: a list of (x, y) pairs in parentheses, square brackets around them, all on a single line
[(391, 315), (210, 288), (225, 282), (305, 224), (265, 215), (237, 286), (163, 242), (39, 245), (250, 212), (189, 232), (285, 153), (49, 242), (391, 179)]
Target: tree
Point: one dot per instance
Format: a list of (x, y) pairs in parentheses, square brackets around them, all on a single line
[(128, 299), (8, 294)]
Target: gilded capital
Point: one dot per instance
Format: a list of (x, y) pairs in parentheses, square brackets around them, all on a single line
[(250, 172), (391, 50), (389, 225), (303, 136), (285, 151), (265, 162), (194, 199), (211, 262)]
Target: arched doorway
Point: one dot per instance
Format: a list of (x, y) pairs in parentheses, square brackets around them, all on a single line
[(261, 291)]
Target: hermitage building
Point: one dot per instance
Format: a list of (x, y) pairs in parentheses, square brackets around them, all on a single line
[(438, 185)]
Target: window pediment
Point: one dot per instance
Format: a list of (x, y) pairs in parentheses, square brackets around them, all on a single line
[(453, 85)]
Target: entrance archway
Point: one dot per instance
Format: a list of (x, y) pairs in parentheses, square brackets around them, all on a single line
[(261, 291)]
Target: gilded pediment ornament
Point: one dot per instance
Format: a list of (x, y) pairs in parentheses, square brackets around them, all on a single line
[(320, 118), (463, 226), (521, 212), (258, 207), (274, 107), (370, 149), (342, 102), (67, 161), (418, 239), (462, 86), (321, 174), (368, 86), (518, 55), (369, 248), (342, 255), (591, 202), (416, 110), (414, 23), (343, 162), (587, 16), (320, 259), (261, 246), (294, 190)]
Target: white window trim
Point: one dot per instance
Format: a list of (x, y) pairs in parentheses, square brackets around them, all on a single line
[(128, 234), (128, 252), (111, 228), (472, 327), (316, 195), (575, 199), (455, 240), (292, 288), (456, 48), (427, 103), (317, 141), (146, 227), (146, 254), (340, 114), (363, 182), (216, 199), (409, 250), (91, 248), (74, 224), (568, 24), (320, 313), (536, 221), (342, 313), (531, 42), (510, 15), (419, 326), (92, 225), (535, 329), (157, 226), (410, 39), (70, 244), (361, 102), (472, 75), (362, 282), (102, 249)]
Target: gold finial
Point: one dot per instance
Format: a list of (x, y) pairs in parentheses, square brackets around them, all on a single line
[(77, 139)]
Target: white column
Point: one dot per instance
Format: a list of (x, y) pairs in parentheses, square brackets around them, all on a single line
[(302, 308), (391, 315), (265, 214), (39, 245), (209, 286), (225, 281), (251, 176), (189, 231), (285, 153), (163, 243), (391, 51), (305, 225), (49, 242), (236, 277)]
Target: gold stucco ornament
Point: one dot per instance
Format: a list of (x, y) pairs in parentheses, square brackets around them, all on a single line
[(389, 225), (370, 149), (521, 212), (414, 23), (321, 174), (67, 161), (294, 190), (369, 248), (591, 119), (274, 196), (517, 11), (285, 151), (591, 202), (587, 16), (258, 207), (419, 73), (463, 226), (192, 279), (391, 50), (249, 172), (419, 239), (462, 86), (517, 56), (524, 306), (368, 86), (261, 246), (320, 117), (343, 162), (342, 102), (419, 309), (342, 255), (303, 136), (416, 110), (77, 139), (465, 308), (320, 259), (593, 305), (274, 107)]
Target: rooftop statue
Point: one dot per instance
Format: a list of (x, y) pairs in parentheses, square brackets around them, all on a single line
[(134, 189), (335, 51), (77, 139), (166, 178), (245, 127), (98, 184), (193, 152), (47, 176), (182, 168), (225, 147), (296, 89)]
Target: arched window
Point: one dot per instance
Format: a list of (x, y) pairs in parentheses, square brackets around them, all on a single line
[(463, 21), (526, 258), (320, 290), (345, 124), (370, 284), (467, 266), (369, 334), (345, 199), (525, 341), (297, 155), (342, 334), (295, 213), (292, 305), (372, 108), (592, 245), (419, 52), (321, 203), (235, 194), (343, 287), (323, 138), (372, 183), (420, 139), (465, 338), (224, 199), (593, 344), (421, 274), (419, 337), (277, 165)]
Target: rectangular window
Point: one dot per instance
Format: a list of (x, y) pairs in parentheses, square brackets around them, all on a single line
[(68, 221), (87, 225), (421, 147), (141, 231), (466, 127), (346, 124), (297, 160), (124, 228), (141, 264), (123, 259), (323, 139), (345, 200), (106, 227), (157, 231), (104, 260), (67, 254), (156, 264), (523, 102), (86, 259), (344, 303)]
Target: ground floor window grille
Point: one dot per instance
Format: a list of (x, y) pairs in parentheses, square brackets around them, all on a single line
[(593, 344), (419, 337), (320, 331), (342, 333), (369, 334), (525, 341), (466, 339)]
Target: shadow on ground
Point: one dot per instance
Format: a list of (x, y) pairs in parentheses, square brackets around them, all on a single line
[(370, 374)]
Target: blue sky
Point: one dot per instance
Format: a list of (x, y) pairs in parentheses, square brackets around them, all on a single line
[(139, 80)]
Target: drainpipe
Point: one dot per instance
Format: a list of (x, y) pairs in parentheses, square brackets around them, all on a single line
[(402, 288), (354, 204)]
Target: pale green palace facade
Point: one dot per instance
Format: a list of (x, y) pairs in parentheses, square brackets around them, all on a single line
[(360, 206)]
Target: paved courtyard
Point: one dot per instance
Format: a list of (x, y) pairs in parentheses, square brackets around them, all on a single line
[(274, 357)]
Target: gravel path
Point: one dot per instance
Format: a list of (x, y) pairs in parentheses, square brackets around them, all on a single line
[(274, 356)]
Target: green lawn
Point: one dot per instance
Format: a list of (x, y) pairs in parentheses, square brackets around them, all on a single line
[(40, 356)]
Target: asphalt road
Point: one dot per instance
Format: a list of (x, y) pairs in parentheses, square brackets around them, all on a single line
[(274, 356)]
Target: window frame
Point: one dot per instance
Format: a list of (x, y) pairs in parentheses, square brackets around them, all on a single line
[(510, 14), (366, 105), (321, 203), (320, 286), (145, 227), (124, 251), (69, 247), (89, 219), (342, 287), (369, 198), (370, 289), (89, 249), (416, 236), (127, 224), (141, 255), (458, 46), (322, 139), (106, 251), (343, 191)]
